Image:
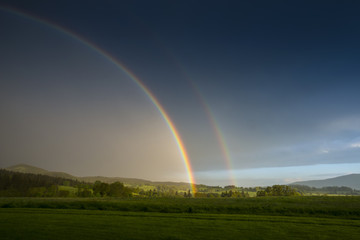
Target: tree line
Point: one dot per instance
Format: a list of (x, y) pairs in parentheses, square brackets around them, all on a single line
[(278, 190), (15, 184)]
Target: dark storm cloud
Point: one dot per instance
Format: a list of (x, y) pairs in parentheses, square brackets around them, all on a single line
[(277, 75)]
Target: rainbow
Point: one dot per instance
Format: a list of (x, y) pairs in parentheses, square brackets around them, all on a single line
[(136, 80), (214, 124), (219, 135)]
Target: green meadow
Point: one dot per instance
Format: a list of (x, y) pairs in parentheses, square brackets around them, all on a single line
[(95, 224), (181, 218)]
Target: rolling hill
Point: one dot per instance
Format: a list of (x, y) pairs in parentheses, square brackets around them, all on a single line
[(351, 180), (24, 168)]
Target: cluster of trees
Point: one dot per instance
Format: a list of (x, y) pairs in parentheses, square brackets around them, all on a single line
[(226, 194), (278, 190), (234, 194), (160, 191), (165, 192), (156, 192), (227, 191), (115, 189)]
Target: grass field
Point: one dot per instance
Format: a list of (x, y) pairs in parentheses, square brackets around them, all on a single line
[(252, 218), (72, 190), (95, 224), (339, 207)]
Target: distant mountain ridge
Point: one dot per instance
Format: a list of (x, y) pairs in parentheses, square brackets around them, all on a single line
[(351, 181), (24, 168)]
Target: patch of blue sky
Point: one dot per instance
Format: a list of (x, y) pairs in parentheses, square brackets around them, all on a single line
[(283, 175)]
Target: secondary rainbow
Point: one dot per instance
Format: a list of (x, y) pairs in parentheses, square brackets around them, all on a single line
[(215, 126), (136, 80), (219, 135)]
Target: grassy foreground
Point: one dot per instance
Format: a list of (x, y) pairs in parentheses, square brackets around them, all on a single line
[(255, 218), (95, 224)]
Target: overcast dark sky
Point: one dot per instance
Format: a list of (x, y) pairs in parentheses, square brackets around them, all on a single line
[(281, 79)]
